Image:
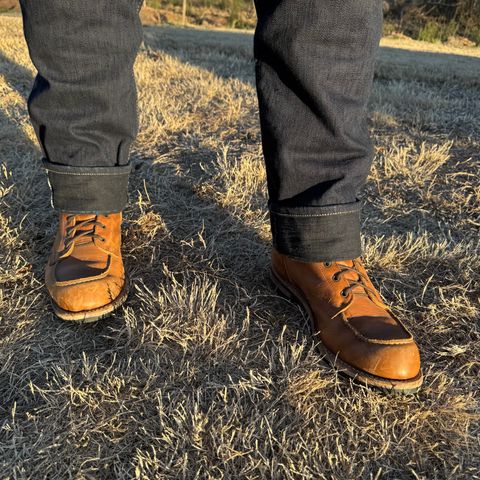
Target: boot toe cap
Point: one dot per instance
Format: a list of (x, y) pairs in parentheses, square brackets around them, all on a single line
[(389, 361), (87, 296)]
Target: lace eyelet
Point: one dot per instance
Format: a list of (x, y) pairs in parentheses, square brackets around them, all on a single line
[(327, 264), (335, 277), (343, 293)]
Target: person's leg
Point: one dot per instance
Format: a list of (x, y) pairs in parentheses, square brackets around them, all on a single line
[(83, 102), (83, 108), (314, 69)]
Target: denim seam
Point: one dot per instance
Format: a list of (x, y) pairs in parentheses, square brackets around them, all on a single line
[(132, 73), (96, 212), (314, 215), (88, 174)]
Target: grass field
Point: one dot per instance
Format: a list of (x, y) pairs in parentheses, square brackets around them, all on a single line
[(207, 373)]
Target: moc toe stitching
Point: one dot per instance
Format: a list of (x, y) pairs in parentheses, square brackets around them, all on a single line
[(379, 341), (91, 278), (385, 359)]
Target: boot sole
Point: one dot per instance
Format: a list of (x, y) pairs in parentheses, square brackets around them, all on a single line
[(403, 387), (89, 316)]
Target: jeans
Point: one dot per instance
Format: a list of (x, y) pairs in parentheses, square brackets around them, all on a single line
[(314, 63)]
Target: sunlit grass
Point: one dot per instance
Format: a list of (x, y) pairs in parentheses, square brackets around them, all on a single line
[(206, 372)]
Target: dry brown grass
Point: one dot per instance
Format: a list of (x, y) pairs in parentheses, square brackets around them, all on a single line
[(206, 373)]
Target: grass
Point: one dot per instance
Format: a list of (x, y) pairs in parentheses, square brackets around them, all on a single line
[(206, 373), (437, 32)]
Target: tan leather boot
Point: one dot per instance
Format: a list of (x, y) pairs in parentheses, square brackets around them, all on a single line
[(359, 333), (84, 274)]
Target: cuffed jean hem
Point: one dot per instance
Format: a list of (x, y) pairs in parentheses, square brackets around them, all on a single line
[(88, 189), (317, 234)]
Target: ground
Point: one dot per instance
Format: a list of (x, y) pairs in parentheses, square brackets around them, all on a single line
[(207, 373)]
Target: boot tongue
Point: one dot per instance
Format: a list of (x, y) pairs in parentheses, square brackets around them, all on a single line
[(80, 217), (351, 275), (347, 263)]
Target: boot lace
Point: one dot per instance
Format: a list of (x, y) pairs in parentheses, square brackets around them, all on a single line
[(353, 283), (81, 229)]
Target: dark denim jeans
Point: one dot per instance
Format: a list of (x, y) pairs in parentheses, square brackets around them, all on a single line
[(314, 69)]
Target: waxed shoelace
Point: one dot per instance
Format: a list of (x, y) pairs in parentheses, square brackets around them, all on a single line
[(78, 230)]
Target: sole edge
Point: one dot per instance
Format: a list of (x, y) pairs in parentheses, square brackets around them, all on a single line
[(90, 316)]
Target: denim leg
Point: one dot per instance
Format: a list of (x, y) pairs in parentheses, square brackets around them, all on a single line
[(83, 102), (314, 70)]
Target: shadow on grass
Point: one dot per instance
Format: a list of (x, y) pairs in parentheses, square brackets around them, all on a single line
[(237, 255), (26, 201), (44, 341), (192, 45), (241, 256)]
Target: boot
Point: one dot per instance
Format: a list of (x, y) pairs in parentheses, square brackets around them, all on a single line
[(84, 275), (358, 332)]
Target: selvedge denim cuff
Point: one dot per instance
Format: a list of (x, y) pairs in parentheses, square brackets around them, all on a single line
[(317, 234), (88, 189)]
